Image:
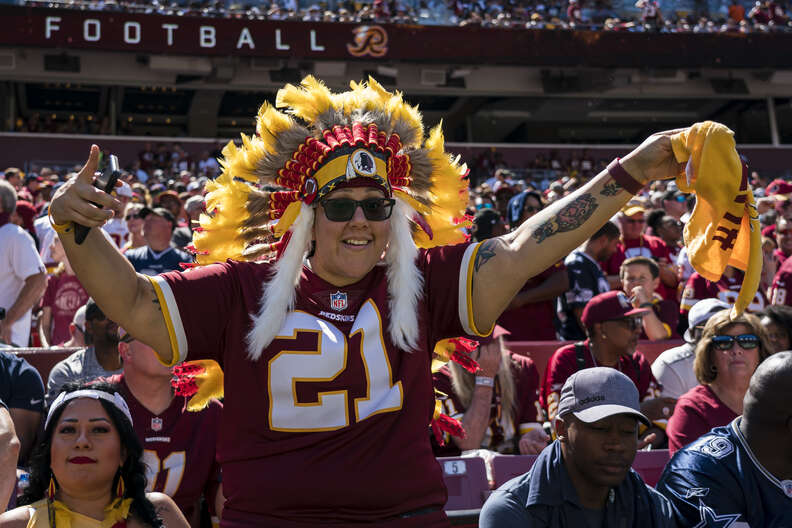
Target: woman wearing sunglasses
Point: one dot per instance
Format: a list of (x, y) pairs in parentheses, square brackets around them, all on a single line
[(332, 259), (726, 356)]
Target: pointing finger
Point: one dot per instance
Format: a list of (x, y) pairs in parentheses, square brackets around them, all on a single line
[(86, 175)]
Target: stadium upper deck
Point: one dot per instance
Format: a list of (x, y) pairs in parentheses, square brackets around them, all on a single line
[(69, 70)]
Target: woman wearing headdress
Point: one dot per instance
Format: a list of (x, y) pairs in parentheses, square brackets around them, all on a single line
[(324, 297), (88, 471)]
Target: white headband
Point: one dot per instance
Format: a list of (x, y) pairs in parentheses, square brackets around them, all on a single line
[(64, 397)]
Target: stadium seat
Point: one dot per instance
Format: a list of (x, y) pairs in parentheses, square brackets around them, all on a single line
[(506, 467), (650, 465), (43, 359), (466, 481)]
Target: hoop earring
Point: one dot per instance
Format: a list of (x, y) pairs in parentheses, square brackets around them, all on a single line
[(714, 369)]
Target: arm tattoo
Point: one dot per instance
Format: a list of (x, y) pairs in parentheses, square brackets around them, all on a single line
[(485, 252), (569, 218), (611, 189), (154, 299)]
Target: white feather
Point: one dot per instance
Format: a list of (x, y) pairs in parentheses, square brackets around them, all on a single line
[(278, 295), (405, 282)]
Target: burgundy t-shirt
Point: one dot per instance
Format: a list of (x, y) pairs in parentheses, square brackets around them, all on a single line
[(533, 321), (696, 413), (331, 424), (726, 289), (64, 296), (563, 363), (178, 448)]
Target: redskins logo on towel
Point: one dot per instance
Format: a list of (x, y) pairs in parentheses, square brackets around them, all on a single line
[(369, 40)]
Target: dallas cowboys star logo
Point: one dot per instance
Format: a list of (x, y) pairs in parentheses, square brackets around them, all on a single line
[(710, 519)]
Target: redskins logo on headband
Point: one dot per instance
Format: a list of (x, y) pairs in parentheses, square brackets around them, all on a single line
[(361, 164)]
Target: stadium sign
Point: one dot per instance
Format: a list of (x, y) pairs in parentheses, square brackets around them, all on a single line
[(205, 36)]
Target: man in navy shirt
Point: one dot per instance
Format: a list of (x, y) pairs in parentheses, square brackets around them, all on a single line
[(157, 256), (22, 392), (740, 475), (586, 279), (584, 478)]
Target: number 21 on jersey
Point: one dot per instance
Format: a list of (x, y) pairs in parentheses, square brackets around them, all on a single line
[(331, 409)]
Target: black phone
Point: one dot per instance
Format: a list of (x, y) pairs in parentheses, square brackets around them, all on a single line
[(105, 181)]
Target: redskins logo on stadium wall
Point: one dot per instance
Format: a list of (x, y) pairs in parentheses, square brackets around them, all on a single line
[(369, 40)]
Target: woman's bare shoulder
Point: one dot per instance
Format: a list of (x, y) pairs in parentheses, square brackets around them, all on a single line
[(16, 518)]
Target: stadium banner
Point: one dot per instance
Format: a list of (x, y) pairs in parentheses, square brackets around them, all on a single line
[(203, 36)]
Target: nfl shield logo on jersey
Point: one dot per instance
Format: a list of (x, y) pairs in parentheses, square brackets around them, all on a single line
[(156, 424), (338, 301)]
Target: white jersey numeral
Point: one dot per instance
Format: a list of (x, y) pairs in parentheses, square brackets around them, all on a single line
[(173, 465), (330, 410)]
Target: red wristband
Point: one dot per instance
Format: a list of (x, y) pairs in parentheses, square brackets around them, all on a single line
[(623, 178)]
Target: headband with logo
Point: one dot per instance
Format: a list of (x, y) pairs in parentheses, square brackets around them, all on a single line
[(65, 397)]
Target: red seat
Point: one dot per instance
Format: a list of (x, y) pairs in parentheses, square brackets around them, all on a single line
[(43, 359), (466, 481), (506, 467), (650, 465)]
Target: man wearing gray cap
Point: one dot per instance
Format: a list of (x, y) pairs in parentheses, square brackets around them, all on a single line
[(584, 479), (673, 369)]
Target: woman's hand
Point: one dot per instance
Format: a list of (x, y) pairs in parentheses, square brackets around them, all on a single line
[(72, 202), (489, 358), (653, 159)]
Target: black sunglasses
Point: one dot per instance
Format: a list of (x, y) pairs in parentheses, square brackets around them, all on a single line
[(132, 216), (726, 342), (633, 323), (343, 209)]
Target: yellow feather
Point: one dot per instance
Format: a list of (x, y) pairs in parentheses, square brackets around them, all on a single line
[(306, 101), (209, 382), (288, 218)]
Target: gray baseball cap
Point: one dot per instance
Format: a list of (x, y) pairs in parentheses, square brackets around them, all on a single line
[(700, 313), (595, 393)]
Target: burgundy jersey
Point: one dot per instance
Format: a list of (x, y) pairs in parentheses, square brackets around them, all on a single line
[(179, 448), (563, 363), (533, 321), (501, 435), (331, 423), (64, 296), (645, 246), (779, 292), (667, 311), (726, 289)]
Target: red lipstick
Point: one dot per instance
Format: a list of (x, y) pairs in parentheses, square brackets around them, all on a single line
[(82, 460)]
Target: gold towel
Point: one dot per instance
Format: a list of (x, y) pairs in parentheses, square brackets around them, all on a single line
[(724, 227)]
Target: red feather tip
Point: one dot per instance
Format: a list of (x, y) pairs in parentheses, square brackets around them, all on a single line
[(187, 265), (466, 362), (449, 425), (463, 344)]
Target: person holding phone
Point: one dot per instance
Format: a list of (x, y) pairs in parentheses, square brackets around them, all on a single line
[(326, 347)]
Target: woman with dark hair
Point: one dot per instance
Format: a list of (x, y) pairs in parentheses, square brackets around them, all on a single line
[(726, 357), (777, 321), (88, 471)]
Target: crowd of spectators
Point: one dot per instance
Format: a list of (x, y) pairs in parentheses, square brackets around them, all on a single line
[(646, 15), (632, 279)]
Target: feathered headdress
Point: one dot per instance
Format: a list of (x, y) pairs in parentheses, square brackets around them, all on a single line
[(317, 142)]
